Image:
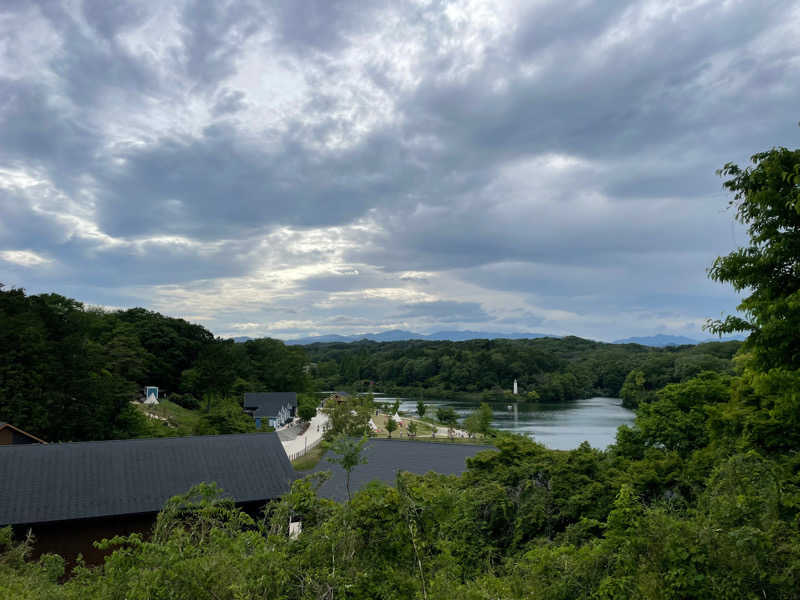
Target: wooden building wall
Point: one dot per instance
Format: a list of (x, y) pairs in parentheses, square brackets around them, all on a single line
[(71, 538), (6, 436), (10, 436)]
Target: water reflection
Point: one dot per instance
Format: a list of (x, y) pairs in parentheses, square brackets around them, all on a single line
[(561, 426)]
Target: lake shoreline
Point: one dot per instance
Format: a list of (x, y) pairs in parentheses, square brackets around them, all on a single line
[(559, 426), (465, 396)]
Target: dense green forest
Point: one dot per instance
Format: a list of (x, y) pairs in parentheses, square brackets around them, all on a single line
[(553, 369), (68, 372), (700, 498)]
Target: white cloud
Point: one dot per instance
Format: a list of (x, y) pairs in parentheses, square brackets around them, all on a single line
[(24, 258)]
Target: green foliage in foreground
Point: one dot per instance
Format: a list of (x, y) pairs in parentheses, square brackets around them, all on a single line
[(347, 453), (700, 498), (767, 201)]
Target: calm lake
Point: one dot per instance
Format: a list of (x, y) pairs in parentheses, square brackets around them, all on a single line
[(561, 426)]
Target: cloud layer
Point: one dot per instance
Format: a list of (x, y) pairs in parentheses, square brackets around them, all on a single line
[(330, 167)]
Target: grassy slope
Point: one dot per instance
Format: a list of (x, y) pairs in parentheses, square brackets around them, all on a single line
[(179, 420)]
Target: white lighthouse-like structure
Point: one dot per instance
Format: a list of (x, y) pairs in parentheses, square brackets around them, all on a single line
[(515, 387)]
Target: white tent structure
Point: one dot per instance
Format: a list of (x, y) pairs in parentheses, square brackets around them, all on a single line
[(150, 395)]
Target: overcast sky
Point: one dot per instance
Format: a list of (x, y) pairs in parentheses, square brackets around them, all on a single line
[(348, 167)]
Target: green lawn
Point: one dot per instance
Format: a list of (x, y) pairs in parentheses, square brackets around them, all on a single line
[(179, 420), (310, 460), (424, 429)]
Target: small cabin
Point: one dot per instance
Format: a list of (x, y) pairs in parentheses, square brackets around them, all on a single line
[(10, 435), (339, 397)]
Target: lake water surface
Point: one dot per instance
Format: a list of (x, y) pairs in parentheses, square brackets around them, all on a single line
[(561, 426)]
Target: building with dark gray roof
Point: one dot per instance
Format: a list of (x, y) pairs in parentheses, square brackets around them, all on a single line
[(274, 408), (71, 494), (83, 480), (386, 457)]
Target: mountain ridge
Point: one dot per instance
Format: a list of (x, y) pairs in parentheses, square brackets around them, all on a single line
[(398, 335), (660, 340)]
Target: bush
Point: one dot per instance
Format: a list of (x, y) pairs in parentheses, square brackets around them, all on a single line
[(306, 411), (186, 401)]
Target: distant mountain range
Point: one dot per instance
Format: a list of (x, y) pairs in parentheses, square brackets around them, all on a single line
[(661, 340), (398, 335)]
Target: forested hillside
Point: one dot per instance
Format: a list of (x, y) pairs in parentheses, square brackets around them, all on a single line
[(554, 369), (68, 372)]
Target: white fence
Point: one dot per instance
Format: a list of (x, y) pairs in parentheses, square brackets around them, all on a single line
[(306, 448)]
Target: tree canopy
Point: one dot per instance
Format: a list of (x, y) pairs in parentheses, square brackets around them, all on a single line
[(69, 373), (547, 369), (767, 201)]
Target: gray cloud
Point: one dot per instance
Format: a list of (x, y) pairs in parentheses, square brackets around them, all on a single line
[(213, 35), (218, 184), (39, 136), (388, 164), (229, 101), (445, 311), (93, 71), (320, 25)]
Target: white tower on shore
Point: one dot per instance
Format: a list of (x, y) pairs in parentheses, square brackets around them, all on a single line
[(515, 387)]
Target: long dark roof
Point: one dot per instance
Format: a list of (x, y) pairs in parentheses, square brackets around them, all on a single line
[(386, 457), (267, 404), (54, 482)]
